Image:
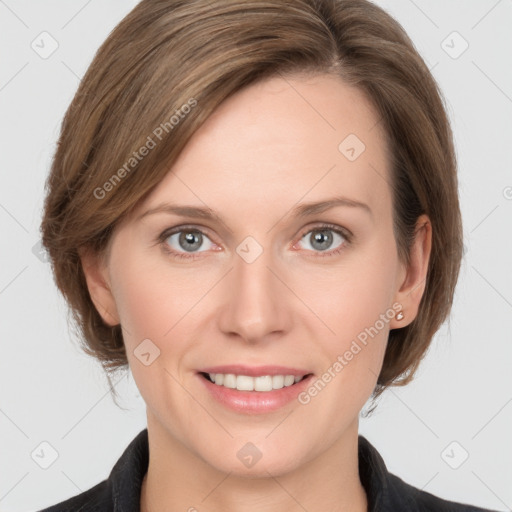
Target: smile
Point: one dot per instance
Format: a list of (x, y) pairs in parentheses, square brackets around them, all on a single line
[(259, 394), (263, 383)]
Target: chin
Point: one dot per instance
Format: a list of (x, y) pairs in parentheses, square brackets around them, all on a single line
[(248, 460)]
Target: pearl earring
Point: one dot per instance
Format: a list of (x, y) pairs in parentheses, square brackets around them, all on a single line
[(400, 315)]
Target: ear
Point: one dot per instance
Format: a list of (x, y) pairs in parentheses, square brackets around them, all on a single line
[(96, 275), (412, 279)]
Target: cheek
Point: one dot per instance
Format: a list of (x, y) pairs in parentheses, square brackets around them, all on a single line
[(354, 302), (139, 302), (153, 303), (152, 298), (356, 307)]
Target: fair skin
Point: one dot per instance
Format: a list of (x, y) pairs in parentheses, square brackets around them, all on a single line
[(265, 150)]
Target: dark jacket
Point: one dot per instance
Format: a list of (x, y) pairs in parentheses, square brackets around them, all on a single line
[(120, 492)]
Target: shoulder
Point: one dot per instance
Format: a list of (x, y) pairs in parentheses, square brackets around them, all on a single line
[(121, 490), (387, 492), (96, 499), (422, 501)]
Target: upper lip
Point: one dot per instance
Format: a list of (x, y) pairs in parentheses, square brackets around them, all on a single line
[(254, 371)]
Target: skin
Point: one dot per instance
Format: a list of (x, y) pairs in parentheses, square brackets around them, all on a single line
[(265, 149)]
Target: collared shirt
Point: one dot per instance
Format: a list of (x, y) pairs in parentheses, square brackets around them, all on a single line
[(385, 492)]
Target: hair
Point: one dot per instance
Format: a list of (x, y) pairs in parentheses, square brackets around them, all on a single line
[(170, 63)]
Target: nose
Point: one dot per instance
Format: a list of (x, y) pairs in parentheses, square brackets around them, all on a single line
[(255, 301)]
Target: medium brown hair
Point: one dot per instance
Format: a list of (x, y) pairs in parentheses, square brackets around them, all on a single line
[(167, 54)]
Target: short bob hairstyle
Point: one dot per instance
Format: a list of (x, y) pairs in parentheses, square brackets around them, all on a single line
[(170, 63)]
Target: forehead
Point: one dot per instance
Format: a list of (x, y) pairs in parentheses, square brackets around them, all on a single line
[(281, 141)]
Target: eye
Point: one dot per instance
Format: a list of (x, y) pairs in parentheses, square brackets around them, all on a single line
[(323, 238), (184, 242)]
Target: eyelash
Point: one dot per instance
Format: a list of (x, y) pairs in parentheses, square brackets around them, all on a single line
[(347, 236)]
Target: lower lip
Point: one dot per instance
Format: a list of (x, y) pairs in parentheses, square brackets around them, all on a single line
[(255, 402)]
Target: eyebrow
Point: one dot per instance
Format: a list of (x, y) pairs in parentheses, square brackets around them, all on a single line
[(307, 209), (300, 211)]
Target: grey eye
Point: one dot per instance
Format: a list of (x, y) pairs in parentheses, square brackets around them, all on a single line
[(187, 240), (321, 239)]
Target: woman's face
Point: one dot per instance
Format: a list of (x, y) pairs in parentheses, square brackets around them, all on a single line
[(258, 284)]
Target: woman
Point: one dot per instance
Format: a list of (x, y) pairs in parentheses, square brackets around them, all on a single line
[(253, 205)]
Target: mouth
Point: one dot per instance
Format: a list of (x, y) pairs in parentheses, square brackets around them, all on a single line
[(264, 392), (261, 383), (254, 389)]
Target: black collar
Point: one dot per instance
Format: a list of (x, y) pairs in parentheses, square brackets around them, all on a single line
[(385, 492)]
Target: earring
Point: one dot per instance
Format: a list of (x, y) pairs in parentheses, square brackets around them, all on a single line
[(400, 315)]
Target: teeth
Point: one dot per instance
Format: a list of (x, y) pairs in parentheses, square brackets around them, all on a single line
[(247, 383)]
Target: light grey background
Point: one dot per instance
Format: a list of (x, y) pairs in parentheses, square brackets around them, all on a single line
[(51, 392)]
